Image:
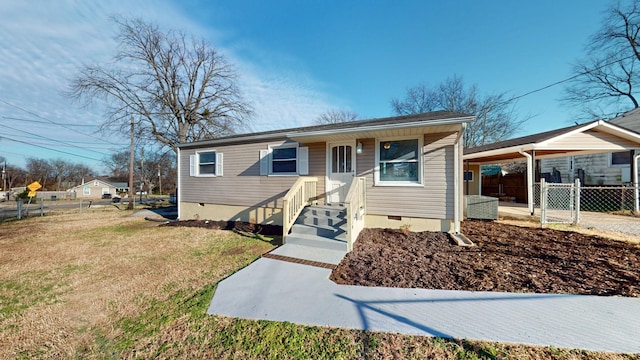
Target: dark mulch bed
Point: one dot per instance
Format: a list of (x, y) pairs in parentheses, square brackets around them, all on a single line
[(239, 226), (506, 258)]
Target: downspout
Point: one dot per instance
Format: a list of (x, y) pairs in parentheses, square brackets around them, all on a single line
[(636, 156), (456, 180), (529, 179)]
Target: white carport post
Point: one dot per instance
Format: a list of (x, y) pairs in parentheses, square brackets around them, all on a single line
[(636, 202), (457, 188), (529, 179)]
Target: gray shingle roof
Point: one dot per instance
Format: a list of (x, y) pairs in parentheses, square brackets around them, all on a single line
[(403, 119)]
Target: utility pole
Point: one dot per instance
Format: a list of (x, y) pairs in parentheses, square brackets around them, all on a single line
[(141, 174), (159, 179), (4, 180), (131, 150)]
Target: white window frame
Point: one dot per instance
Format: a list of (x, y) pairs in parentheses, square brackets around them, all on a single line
[(86, 190), (611, 164), (215, 163), (195, 163), (420, 160), (284, 146)]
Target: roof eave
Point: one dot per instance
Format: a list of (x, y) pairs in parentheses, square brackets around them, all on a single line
[(357, 128), (361, 129)]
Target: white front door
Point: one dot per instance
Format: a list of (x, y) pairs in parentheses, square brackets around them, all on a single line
[(341, 167)]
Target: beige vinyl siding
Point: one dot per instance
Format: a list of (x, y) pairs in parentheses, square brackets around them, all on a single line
[(434, 200), (241, 183), (318, 167), (592, 140)]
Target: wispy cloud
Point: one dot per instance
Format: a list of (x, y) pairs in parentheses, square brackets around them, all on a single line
[(43, 44)]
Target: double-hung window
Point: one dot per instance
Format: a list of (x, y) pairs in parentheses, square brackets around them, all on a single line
[(285, 159), (399, 162), (206, 163)]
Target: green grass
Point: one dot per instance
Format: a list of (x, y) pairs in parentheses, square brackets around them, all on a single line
[(33, 288)]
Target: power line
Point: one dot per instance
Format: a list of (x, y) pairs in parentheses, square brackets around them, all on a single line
[(47, 122), (53, 122), (20, 134), (50, 149), (570, 78), (57, 141)]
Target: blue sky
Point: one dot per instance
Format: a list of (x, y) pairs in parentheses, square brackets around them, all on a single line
[(296, 59)]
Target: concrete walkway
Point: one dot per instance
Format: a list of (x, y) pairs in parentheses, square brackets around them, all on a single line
[(283, 291)]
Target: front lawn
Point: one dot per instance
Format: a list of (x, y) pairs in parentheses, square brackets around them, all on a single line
[(101, 284)]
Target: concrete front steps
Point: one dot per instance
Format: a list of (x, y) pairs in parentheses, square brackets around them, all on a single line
[(318, 235)]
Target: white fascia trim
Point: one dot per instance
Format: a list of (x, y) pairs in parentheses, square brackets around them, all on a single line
[(508, 150)]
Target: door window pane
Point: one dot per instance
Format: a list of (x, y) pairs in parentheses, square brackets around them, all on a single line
[(341, 159)]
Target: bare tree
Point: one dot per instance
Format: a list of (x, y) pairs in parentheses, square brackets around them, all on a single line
[(604, 82), (178, 88), (335, 116), (118, 166), (39, 170), (496, 118), (15, 176)]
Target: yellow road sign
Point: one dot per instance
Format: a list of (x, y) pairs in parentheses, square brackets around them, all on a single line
[(31, 193), (34, 186)]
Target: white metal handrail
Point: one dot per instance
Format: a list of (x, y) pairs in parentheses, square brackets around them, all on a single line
[(301, 194), (355, 202)]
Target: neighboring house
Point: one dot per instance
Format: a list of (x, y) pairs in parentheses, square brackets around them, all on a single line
[(544, 149), (411, 167), (94, 189), (596, 169)]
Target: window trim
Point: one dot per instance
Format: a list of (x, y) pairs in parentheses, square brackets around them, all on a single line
[(420, 160), (284, 146), (611, 164), (215, 163)]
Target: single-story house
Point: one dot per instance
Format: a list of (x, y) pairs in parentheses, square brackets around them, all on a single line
[(94, 189), (407, 171)]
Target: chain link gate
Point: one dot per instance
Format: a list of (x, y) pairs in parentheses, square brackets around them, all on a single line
[(559, 203)]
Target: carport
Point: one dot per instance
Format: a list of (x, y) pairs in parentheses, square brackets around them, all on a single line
[(591, 138)]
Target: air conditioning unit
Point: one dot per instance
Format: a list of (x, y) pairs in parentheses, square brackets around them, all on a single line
[(481, 207)]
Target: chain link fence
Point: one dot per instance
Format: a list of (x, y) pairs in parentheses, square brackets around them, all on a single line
[(558, 203), (13, 209), (605, 207)]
